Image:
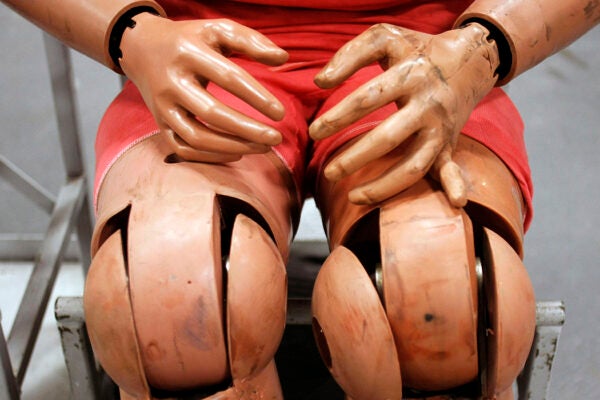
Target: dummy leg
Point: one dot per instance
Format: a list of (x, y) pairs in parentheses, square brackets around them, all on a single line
[(437, 297), (186, 294)]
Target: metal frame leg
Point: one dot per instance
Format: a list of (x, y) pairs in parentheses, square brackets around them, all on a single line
[(25, 330), (26, 185), (9, 389), (534, 381), (79, 358), (84, 233)]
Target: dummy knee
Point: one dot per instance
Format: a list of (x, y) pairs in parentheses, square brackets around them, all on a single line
[(171, 300), (436, 302)]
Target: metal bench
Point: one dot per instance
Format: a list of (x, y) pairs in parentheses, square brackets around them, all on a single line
[(88, 382)]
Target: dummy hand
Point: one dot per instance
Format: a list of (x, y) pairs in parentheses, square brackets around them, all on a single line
[(172, 62), (435, 81)]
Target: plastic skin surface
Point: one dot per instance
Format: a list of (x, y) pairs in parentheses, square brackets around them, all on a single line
[(85, 26), (435, 80), (534, 29), (172, 62)]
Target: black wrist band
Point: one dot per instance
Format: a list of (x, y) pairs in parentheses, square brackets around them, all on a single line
[(504, 53), (125, 21)]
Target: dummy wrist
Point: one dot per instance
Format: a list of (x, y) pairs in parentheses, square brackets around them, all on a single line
[(116, 35), (504, 52)]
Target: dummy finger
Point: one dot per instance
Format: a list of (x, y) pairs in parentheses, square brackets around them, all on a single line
[(372, 95), (242, 39), (366, 48), (387, 136), (187, 153), (197, 101), (413, 166), (450, 176), (234, 79), (201, 137)]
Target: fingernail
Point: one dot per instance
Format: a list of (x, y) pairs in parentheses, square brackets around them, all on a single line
[(319, 78), (357, 196), (273, 136), (314, 130), (460, 201), (333, 172), (323, 78), (276, 110), (282, 54)]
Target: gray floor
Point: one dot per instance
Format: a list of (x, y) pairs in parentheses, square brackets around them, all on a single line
[(559, 100)]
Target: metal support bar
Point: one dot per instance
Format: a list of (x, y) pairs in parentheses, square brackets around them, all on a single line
[(24, 247), (63, 92), (9, 389), (27, 323), (534, 381), (81, 365), (26, 185), (84, 233)]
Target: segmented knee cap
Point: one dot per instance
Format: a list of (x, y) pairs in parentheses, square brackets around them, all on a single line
[(186, 292), (172, 317), (456, 313)]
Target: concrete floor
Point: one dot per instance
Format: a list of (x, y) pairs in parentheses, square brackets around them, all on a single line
[(560, 103)]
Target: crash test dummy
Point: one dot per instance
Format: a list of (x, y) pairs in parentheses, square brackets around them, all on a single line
[(387, 112)]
